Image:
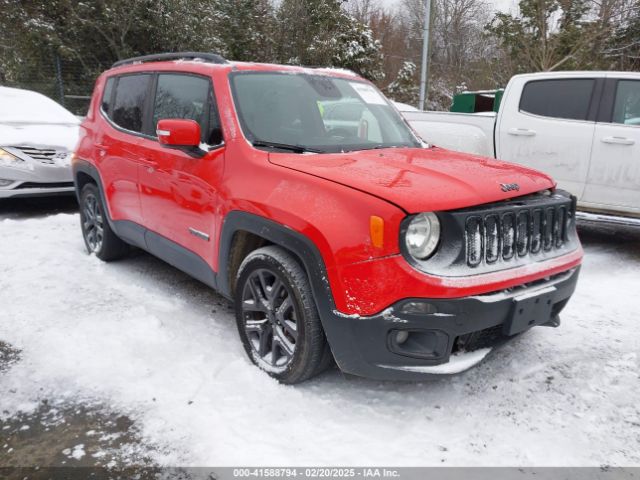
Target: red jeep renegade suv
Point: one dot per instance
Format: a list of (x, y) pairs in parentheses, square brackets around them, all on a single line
[(304, 196)]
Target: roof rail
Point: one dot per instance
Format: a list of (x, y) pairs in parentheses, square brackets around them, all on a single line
[(160, 57)]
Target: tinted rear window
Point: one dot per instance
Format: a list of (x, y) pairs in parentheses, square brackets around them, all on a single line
[(106, 96), (567, 98), (128, 106)]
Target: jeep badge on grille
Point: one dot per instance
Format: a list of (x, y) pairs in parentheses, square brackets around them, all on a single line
[(508, 187)]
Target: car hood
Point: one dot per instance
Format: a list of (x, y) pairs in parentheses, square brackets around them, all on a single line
[(418, 180), (60, 136)]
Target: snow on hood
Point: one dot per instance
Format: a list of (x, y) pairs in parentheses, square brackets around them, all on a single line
[(30, 119), (418, 180), (24, 106), (60, 136)]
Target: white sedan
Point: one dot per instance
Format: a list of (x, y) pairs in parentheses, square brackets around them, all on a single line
[(37, 138)]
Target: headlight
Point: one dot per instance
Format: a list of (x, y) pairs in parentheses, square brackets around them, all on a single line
[(9, 160), (422, 235)]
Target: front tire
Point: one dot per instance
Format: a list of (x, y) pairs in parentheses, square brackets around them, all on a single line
[(277, 317), (96, 231)]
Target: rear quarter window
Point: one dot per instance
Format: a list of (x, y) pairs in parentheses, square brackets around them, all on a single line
[(128, 105), (107, 95), (559, 98)]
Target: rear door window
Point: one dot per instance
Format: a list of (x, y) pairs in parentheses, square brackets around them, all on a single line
[(188, 97), (626, 109), (562, 98), (129, 103)]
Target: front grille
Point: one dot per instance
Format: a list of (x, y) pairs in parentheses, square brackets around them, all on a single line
[(502, 235), (46, 156), (515, 233)]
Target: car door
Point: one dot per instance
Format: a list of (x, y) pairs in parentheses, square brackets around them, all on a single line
[(614, 176), (124, 102), (550, 128), (180, 190)]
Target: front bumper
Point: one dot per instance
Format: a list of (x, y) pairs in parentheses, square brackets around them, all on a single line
[(38, 180), (35, 190), (443, 336)]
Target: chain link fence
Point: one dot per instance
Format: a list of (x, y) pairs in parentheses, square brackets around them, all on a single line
[(69, 82)]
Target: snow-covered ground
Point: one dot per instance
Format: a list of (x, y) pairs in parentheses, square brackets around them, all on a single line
[(147, 341)]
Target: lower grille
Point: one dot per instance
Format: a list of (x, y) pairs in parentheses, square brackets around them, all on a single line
[(45, 185), (488, 337)]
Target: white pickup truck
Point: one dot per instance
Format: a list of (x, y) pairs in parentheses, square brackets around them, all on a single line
[(582, 128)]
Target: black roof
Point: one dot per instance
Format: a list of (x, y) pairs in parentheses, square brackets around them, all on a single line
[(160, 57)]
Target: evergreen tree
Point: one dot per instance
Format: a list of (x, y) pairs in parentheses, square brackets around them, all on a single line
[(405, 86), (320, 32), (552, 34), (245, 28)]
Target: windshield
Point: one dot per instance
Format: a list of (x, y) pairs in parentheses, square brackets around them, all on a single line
[(25, 106), (316, 113)]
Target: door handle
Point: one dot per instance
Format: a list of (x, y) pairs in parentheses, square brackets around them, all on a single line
[(150, 165), (102, 149), (619, 140), (147, 162), (521, 132)]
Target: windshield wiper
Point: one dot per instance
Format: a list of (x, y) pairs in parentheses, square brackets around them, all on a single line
[(285, 146), (374, 147), (380, 147)]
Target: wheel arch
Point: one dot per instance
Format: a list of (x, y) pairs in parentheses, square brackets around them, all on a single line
[(83, 173), (254, 232), (80, 180)]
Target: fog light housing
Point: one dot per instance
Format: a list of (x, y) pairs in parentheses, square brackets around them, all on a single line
[(427, 344), (401, 336), (5, 182)]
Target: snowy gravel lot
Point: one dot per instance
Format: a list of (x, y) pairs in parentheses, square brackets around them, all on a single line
[(140, 338)]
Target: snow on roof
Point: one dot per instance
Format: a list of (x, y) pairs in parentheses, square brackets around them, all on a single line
[(26, 106), (309, 70), (405, 107), (342, 71)]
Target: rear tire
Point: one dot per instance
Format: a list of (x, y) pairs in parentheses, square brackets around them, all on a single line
[(96, 231), (277, 318)]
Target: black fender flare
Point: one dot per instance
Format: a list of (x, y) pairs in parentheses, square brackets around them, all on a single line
[(82, 166), (296, 243)]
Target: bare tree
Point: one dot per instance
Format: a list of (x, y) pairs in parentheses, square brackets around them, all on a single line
[(460, 53)]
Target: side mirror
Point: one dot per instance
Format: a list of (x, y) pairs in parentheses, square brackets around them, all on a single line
[(179, 133)]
